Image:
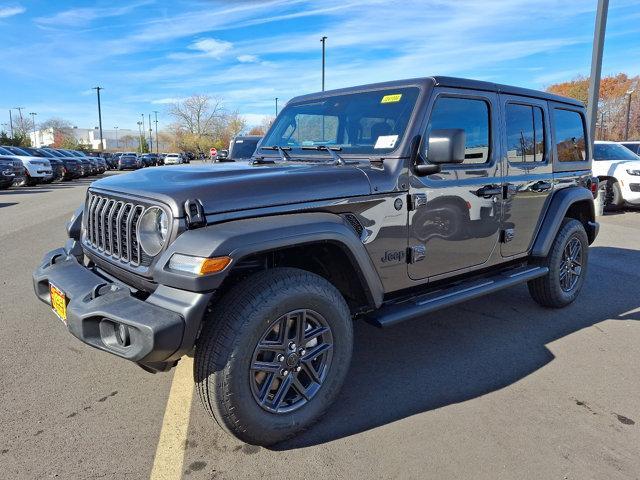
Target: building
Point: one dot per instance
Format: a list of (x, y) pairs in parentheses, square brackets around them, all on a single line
[(113, 140)]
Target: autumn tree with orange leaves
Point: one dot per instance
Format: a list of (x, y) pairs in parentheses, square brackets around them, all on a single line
[(612, 105)]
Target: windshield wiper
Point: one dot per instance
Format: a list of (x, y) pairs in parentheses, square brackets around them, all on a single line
[(337, 159), (284, 156)]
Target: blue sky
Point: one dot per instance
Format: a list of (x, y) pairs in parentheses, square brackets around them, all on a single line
[(147, 53)]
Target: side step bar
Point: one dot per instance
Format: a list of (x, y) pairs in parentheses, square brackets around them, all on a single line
[(397, 312)]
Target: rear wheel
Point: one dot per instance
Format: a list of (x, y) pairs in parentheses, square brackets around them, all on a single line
[(273, 355), (567, 263)]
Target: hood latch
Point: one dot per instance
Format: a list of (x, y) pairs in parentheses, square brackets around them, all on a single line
[(194, 212)]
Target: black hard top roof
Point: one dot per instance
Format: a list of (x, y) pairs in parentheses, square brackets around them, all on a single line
[(452, 82)]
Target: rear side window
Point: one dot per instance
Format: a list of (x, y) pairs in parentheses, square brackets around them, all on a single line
[(471, 115), (525, 133), (570, 135)]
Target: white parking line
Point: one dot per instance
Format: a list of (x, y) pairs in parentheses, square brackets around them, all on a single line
[(167, 464)]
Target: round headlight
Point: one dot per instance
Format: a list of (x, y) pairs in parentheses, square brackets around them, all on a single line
[(152, 230)]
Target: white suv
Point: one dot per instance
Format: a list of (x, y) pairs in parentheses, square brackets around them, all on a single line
[(618, 170), (38, 168), (173, 159)]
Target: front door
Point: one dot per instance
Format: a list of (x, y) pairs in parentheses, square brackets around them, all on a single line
[(528, 170), (455, 214)]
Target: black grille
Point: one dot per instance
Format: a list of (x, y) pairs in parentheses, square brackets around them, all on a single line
[(634, 187), (111, 229)]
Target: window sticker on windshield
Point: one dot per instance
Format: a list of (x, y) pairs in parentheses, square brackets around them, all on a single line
[(239, 141), (386, 141), (391, 98)]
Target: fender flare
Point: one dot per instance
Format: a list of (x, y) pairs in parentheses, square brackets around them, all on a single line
[(241, 238), (560, 203)]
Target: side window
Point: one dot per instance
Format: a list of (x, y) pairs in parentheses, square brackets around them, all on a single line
[(471, 115), (570, 135), (525, 133)]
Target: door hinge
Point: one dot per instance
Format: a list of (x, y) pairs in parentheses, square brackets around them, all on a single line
[(194, 212), (507, 235), (416, 253), (416, 200)]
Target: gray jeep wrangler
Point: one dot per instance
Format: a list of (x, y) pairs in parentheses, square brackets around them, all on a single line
[(382, 203)]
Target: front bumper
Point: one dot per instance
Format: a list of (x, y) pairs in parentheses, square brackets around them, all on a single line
[(159, 329)]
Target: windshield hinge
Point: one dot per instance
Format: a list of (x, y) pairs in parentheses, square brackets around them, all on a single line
[(194, 212)]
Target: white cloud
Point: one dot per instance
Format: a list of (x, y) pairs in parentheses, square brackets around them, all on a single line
[(211, 47), (11, 11), (248, 58), (82, 16)]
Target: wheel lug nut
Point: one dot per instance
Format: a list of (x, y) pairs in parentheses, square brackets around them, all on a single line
[(298, 368), (284, 372), (292, 346), (303, 351), (281, 358)]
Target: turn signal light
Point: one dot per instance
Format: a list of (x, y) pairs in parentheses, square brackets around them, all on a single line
[(214, 265), (198, 265)]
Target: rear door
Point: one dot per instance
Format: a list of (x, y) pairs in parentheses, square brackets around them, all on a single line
[(528, 170)]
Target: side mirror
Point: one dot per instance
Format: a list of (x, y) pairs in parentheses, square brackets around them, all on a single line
[(446, 146)]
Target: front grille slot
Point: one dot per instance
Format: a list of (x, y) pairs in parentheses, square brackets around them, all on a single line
[(112, 229)]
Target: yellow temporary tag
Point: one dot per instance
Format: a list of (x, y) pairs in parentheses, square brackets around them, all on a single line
[(391, 98)]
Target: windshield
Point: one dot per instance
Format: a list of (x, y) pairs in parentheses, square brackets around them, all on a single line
[(244, 147), (367, 123), (4, 151), (18, 151), (612, 151)]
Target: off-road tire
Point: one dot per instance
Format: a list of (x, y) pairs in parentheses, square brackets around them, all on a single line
[(547, 290), (230, 334)]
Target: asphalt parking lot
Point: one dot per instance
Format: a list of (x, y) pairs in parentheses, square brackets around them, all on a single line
[(497, 388)]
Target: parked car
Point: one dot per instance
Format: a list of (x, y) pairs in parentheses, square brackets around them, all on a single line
[(634, 146), (618, 170), (38, 170), (259, 270), (72, 167), (127, 161), (173, 159), (86, 168), (7, 172), (112, 161), (241, 148), (149, 159), (97, 167)]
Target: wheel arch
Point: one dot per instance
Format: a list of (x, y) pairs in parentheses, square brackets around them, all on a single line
[(324, 243), (572, 202)]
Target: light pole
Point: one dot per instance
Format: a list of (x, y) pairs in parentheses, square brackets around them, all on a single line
[(626, 125), (143, 129), (150, 132), (156, 122), (116, 129), (276, 106), (11, 123), (140, 138), (97, 89), (33, 120), (323, 40), (21, 120), (596, 66)]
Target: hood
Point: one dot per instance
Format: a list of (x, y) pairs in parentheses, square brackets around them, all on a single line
[(231, 186), (609, 167)]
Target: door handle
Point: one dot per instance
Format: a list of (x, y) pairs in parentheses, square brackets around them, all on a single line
[(541, 186), (489, 191)]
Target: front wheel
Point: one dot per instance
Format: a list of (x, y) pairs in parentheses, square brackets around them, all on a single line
[(273, 355), (567, 263)]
